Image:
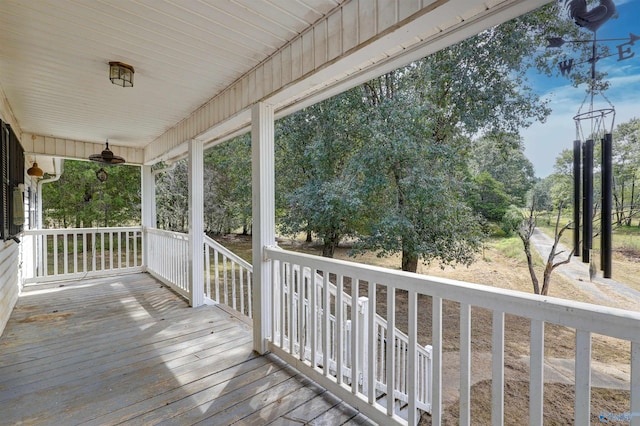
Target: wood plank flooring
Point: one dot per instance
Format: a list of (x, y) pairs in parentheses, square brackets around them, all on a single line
[(126, 350)]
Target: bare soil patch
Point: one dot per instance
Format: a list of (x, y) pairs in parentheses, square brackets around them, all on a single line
[(629, 253), (559, 410)]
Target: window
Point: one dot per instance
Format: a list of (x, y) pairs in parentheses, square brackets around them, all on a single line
[(12, 170)]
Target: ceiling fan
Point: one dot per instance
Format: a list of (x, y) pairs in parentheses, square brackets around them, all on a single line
[(107, 157)]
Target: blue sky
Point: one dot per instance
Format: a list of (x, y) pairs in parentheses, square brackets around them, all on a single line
[(544, 141)]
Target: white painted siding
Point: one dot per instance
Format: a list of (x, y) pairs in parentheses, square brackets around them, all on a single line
[(9, 282), (9, 250)]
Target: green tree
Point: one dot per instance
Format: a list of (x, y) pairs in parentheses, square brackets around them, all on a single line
[(562, 179), (228, 187), (414, 183), (227, 190), (79, 199), (502, 157), (539, 196), (488, 197), (172, 202), (422, 118), (317, 170), (626, 168)]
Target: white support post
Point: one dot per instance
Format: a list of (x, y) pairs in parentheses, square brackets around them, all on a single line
[(497, 369), (148, 209), (436, 362), (363, 340), (412, 358), (263, 208), (582, 401), (196, 223), (536, 374), (465, 364), (635, 384)]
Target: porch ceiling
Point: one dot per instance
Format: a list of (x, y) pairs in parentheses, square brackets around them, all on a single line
[(200, 64)]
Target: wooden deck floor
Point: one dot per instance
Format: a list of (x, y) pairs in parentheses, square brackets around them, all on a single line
[(127, 350)]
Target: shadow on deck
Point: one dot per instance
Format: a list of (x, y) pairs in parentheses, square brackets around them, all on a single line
[(128, 350)]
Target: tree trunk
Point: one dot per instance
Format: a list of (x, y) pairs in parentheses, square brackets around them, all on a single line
[(330, 242), (633, 200), (309, 239), (622, 214), (618, 210), (546, 278), (532, 272), (409, 261)]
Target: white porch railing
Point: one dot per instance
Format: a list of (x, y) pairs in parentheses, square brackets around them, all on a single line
[(290, 327), (56, 254), (341, 337), (227, 277), (168, 258)]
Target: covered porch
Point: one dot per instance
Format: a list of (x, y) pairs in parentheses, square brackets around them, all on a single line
[(334, 322)]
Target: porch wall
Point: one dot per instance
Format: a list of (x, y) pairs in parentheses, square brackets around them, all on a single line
[(9, 250), (9, 282)]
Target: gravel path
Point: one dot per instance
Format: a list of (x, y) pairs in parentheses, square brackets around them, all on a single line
[(606, 290)]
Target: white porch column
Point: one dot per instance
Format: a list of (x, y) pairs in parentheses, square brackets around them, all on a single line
[(148, 197), (263, 212), (196, 222), (148, 209)]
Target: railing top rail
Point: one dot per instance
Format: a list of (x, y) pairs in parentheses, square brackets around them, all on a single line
[(60, 231), (598, 319), (228, 253), (171, 234)]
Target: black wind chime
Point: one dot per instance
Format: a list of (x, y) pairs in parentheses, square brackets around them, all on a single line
[(593, 124)]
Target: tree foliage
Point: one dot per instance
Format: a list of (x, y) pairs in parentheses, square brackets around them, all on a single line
[(402, 182), (502, 157), (79, 199), (172, 202), (227, 187), (626, 171), (318, 171), (414, 181), (488, 197)]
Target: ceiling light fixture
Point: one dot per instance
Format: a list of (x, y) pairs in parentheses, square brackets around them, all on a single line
[(106, 157), (35, 170), (121, 74)]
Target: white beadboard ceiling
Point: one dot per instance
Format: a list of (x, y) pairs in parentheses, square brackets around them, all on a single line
[(54, 55), (54, 58)]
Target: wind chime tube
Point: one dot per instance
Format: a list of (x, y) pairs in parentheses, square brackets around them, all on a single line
[(607, 205), (587, 199), (576, 197)]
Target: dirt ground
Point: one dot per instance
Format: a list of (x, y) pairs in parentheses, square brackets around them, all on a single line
[(494, 268)]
